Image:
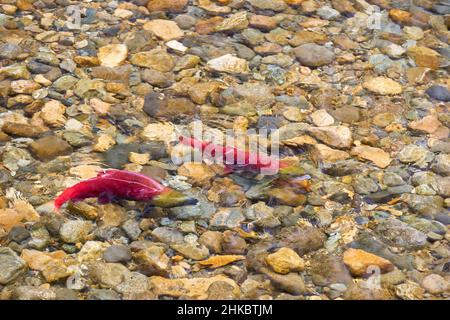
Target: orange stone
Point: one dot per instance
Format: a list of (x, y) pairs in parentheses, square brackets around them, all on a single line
[(166, 5), (208, 26), (361, 262), (425, 57), (262, 22), (400, 16)]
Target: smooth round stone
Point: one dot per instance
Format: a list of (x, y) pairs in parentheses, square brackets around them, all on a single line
[(440, 93), (117, 253), (18, 234)]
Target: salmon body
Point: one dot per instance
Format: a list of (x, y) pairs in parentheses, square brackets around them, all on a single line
[(233, 158), (111, 185)]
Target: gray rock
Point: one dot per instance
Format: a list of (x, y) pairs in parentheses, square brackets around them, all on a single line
[(327, 13), (371, 243), (220, 290), (328, 269), (364, 185), (11, 266), (108, 275), (18, 234), (65, 294), (424, 225), (292, 282), (33, 293), (442, 165), (64, 83), (227, 218), (118, 155), (437, 92), (75, 231), (415, 154), (204, 209), (274, 5), (427, 206), (103, 294), (117, 253), (131, 228), (156, 78), (185, 21), (9, 51), (400, 234), (40, 237), (167, 235), (133, 283), (392, 179), (193, 251)]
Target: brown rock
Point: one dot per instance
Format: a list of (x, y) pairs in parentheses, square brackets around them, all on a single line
[(86, 61), (359, 262), (400, 16), (25, 5), (53, 114), (51, 264), (200, 92), (235, 22), (383, 86), (294, 2), (265, 23), (212, 240), (304, 36), (24, 86), (343, 6), (323, 153), (21, 129), (112, 55), (285, 260), (166, 5), (195, 288), (335, 136), (50, 147), (430, 124), (164, 29), (157, 59), (376, 155), (208, 26), (425, 57), (199, 174)]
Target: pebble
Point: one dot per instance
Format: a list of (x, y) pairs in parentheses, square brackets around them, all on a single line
[(112, 55), (164, 29), (75, 231), (285, 260), (191, 288), (400, 234), (334, 136), (229, 64), (383, 86), (440, 93), (313, 55), (117, 253), (435, 284), (326, 270), (378, 156), (322, 118), (361, 262), (50, 147), (11, 266)]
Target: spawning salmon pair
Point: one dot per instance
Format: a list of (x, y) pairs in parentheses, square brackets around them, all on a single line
[(110, 185)]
